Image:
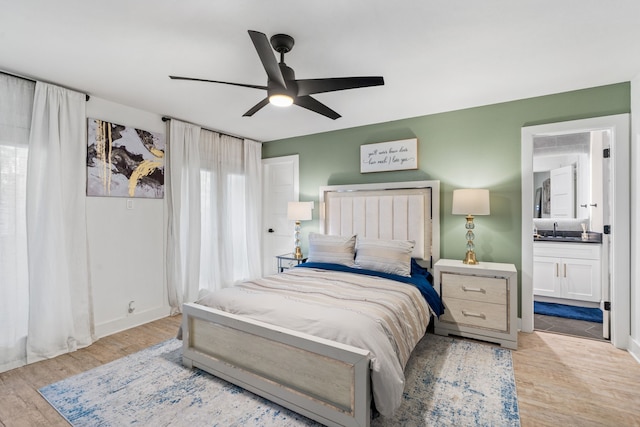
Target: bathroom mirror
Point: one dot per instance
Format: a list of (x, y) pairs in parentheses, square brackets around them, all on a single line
[(564, 174)]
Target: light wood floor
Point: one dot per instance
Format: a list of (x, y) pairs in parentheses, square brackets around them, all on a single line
[(561, 380)]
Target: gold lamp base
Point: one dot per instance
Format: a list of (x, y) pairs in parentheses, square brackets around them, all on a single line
[(298, 253), (470, 258)]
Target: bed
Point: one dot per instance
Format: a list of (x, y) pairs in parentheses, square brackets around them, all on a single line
[(323, 356)]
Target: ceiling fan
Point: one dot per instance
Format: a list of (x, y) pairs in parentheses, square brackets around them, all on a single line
[(283, 89)]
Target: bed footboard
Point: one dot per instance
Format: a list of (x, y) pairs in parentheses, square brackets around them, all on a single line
[(321, 379)]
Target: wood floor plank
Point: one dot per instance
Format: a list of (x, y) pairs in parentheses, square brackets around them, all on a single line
[(560, 380), (563, 380)]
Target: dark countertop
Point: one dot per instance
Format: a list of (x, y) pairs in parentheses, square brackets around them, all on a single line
[(567, 237)]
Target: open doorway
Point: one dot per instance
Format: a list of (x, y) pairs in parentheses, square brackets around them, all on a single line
[(568, 279), (569, 286)]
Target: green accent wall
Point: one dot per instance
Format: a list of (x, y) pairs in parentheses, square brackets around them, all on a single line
[(471, 148)]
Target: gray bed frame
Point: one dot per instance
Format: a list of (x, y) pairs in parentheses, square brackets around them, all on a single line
[(321, 379)]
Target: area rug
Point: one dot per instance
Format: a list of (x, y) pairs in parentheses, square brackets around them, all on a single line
[(450, 382), (568, 311)]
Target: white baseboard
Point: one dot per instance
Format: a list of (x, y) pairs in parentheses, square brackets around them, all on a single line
[(634, 349), (122, 324)]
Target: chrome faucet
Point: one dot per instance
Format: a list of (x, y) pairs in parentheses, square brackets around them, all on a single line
[(555, 228)]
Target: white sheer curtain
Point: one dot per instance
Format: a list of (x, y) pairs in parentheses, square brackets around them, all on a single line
[(214, 193), (16, 104), (183, 198), (60, 307), (253, 194), (230, 206)]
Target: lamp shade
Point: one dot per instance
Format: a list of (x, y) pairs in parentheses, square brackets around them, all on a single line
[(470, 201), (299, 211)]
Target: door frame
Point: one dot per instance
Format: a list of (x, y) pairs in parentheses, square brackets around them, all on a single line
[(619, 268)]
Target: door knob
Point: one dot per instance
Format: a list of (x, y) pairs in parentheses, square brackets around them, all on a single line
[(271, 230)]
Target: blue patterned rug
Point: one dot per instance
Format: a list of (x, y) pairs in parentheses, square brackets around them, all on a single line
[(568, 311), (450, 382)]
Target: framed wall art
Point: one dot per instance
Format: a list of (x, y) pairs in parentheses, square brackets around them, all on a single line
[(389, 156), (123, 161)]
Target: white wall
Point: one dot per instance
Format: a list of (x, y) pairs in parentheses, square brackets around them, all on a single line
[(634, 344), (126, 246)]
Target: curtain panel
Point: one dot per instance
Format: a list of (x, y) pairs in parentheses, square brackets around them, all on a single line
[(183, 199), (45, 288), (60, 306), (231, 210), (253, 194), (214, 203)]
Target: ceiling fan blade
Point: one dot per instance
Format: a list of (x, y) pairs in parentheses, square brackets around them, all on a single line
[(217, 81), (269, 62), (256, 108), (316, 106), (311, 86)]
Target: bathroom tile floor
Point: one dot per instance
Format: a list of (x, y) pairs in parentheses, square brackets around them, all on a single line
[(560, 325)]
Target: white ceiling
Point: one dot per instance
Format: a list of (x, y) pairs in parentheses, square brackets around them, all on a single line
[(435, 55)]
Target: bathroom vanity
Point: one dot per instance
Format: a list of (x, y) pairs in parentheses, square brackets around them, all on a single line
[(568, 267)]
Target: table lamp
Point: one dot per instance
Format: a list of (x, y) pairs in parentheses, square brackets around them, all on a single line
[(299, 211), (470, 202)]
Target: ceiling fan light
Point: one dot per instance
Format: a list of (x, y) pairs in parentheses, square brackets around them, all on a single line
[(281, 100)]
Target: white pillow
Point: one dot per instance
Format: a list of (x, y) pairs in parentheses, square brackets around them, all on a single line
[(386, 256), (332, 249)]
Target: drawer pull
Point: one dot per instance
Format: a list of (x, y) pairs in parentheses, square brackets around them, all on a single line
[(466, 289), (471, 314)]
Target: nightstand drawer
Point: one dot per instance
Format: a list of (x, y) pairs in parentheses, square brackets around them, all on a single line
[(475, 288), (476, 314)]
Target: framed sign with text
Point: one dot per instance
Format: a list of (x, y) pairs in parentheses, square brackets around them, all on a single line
[(389, 156)]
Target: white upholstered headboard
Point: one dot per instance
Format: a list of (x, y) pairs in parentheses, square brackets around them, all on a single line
[(396, 210)]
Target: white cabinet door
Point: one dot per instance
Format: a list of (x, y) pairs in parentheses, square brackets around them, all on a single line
[(545, 277), (581, 279)]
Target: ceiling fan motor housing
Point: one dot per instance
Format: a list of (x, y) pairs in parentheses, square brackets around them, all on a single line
[(273, 88)]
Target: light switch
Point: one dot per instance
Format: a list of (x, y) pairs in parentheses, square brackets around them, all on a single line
[(129, 203)]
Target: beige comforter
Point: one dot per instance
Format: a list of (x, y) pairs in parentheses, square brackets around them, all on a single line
[(386, 317)]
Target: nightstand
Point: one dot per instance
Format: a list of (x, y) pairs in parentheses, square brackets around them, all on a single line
[(288, 261), (480, 301)]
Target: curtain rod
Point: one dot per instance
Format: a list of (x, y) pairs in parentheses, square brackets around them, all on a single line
[(165, 119), (35, 81)]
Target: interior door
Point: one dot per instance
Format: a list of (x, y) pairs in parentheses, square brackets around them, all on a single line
[(280, 186), (563, 192)]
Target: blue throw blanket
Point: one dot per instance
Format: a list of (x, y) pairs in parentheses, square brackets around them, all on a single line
[(420, 278)]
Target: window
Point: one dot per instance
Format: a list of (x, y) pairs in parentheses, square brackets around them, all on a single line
[(16, 103)]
